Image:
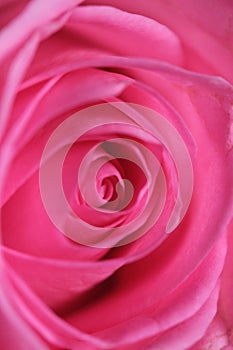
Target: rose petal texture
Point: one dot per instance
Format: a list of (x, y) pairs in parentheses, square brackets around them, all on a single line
[(160, 291), (208, 40)]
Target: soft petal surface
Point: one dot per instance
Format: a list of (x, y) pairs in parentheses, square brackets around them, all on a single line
[(210, 43), (164, 70)]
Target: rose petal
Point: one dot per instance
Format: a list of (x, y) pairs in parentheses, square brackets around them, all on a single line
[(130, 297), (47, 241), (12, 72), (58, 282), (188, 332), (9, 10), (210, 43), (55, 330), (124, 33), (49, 101), (15, 333), (226, 300), (34, 17), (215, 337)]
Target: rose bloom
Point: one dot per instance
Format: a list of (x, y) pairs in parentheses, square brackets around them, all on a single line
[(123, 109)]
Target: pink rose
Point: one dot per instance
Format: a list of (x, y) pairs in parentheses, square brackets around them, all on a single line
[(116, 183)]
